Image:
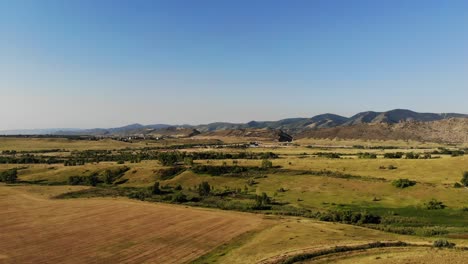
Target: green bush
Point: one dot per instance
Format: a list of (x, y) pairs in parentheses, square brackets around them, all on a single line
[(367, 155), (464, 179), (266, 164), (204, 189), (350, 217), (262, 202), (403, 183), (397, 155), (435, 205), (443, 243), (179, 198), (156, 189), (92, 180), (139, 195), (9, 176)]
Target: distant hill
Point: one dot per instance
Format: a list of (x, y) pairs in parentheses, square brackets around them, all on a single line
[(396, 116), (451, 130), (320, 125)]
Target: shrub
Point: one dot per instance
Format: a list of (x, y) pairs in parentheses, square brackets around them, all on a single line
[(435, 205), (397, 155), (266, 164), (9, 176), (431, 231), (188, 161), (329, 155), (262, 201), (251, 182), (139, 195), (83, 180), (457, 185), (367, 155), (464, 179), (403, 183), (412, 155), (111, 175), (391, 167), (443, 243), (350, 217), (204, 189), (179, 198), (156, 189)]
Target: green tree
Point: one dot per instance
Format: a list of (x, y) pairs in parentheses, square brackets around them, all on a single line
[(261, 201), (204, 189), (93, 180), (9, 176), (156, 189), (108, 177)]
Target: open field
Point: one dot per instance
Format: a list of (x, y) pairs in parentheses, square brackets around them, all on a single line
[(39, 230), (317, 194)]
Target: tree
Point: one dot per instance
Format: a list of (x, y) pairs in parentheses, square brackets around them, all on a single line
[(156, 189), (204, 189), (464, 179), (108, 177), (93, 180), (261, 201), (9, 176)]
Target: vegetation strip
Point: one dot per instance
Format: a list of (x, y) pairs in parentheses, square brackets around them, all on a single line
[(341, 249)]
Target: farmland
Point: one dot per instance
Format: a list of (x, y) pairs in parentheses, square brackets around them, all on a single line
[(40, 230), (160, 201)]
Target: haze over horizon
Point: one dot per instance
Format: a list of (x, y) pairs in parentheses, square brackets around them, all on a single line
[(88, 64)]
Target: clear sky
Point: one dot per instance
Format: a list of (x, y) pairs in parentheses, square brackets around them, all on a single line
[(105, 63)]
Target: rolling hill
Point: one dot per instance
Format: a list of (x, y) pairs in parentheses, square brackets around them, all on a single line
[(393, 124)]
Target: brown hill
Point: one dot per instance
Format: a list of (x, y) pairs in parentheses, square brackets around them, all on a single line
[(251, 134), (452, 130), (174, 132)]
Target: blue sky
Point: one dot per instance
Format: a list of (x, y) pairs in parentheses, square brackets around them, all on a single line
[(109, 63)]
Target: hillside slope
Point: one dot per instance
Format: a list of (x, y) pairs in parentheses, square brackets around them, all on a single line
[(452, 130)]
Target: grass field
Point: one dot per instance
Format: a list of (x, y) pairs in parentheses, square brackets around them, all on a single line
[(301, 182)]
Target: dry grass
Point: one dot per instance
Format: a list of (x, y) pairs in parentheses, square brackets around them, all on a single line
[(39, 230), (397, 256), (292, 236)]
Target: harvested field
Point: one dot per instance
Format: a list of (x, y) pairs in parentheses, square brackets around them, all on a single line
[(36, 229)]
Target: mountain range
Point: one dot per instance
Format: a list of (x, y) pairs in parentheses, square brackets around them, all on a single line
[(293, 126)]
